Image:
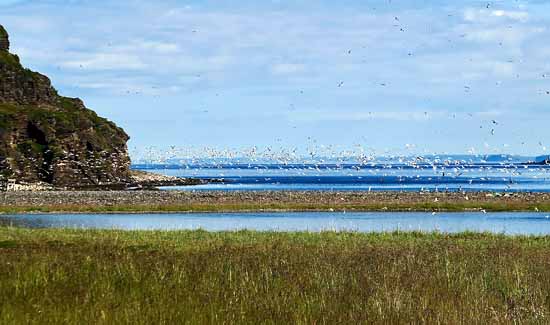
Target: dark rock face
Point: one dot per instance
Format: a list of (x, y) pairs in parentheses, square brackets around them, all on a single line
[(4, 40), (23, 87), (49, 138)]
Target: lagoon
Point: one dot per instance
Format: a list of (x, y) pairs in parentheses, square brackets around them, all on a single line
[(510, 223)]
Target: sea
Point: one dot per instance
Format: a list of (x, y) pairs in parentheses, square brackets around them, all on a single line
[(493, 174)]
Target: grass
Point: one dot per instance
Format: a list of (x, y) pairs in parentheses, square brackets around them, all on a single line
[(85, 276), (498, 206)]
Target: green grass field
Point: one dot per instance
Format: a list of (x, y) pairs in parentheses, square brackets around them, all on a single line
[(82, 277)]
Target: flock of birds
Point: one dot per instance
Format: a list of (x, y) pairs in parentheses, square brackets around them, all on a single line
[(285, 156), (427, 172)]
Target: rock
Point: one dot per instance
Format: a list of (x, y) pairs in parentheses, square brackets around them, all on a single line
[(20, 86), (47, 138), (146, 180), (4, 39)]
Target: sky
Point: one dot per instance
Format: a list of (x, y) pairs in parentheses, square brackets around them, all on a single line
[(391, 76)]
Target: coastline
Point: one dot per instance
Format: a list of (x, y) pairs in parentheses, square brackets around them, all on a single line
[(145, 201)]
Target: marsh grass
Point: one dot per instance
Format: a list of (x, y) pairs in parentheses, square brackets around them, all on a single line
[(143, 277), (498, 206)]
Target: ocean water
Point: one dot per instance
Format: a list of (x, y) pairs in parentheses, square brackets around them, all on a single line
[(502, 177), (506, 223)]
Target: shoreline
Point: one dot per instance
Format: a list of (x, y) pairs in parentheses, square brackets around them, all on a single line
[(235, 211), (170, 202)]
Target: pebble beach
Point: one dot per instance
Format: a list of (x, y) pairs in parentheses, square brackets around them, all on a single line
[(172, 201)]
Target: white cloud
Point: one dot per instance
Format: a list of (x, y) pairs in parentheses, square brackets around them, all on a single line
[(514, 15), (502, 34), (9, 2), (365, 115), (160, 47), (278, 52), (486, 16), (489, 113), (502, 69), (287, 68), (106, 61)]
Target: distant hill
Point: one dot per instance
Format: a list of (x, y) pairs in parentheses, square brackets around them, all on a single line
[(47, 138), (543, 160)]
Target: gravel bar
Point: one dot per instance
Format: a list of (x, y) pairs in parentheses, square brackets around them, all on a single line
[(271, 199)]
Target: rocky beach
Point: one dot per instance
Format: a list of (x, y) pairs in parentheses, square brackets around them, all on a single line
[(216, 201)]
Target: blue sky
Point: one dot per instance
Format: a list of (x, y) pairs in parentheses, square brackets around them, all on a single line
[(390, 76)]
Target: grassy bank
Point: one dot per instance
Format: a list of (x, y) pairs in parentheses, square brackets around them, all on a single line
[(279, 207), (73, 276)]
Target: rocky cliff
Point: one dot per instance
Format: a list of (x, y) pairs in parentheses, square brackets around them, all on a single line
[(4, 40), (48, 138)]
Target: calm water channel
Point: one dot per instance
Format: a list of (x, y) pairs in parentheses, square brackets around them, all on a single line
[(507, 223)]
